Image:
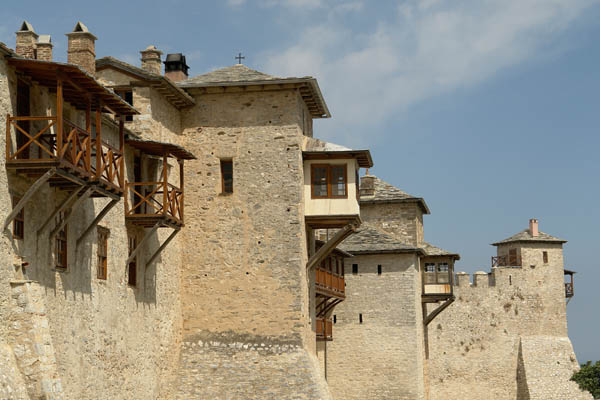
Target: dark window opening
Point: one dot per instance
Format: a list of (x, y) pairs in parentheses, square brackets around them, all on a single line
[(354, 269), (132, 267), (227, 176), (103, 234), (545, 254), (379, 269), (360, 319), (334, 318), (19, 221), (61, 247), (127, 95)]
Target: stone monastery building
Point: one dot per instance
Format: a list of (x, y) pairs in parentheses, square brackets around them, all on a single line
[(175, 237)]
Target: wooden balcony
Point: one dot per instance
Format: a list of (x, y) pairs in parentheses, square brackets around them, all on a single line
[(324, 328), (154, 202), (328, 283), (506, 261), (569, 290), (74, 151)]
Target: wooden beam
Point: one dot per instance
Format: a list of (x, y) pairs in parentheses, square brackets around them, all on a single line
[(139, 246), (27, 196), (328, 247), (96, 220), (74, 207), (59, 209), (162, 247), (428, 318)]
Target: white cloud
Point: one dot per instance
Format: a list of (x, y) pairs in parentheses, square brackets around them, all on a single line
[(426, 48)]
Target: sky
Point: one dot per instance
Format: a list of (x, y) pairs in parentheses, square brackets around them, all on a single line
[(489, 109)]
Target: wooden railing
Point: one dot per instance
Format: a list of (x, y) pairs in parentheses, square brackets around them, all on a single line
[(75, 148), (330, 281), (569, 290), (506, 261), (109, 165), (151, 199), (324, 328)]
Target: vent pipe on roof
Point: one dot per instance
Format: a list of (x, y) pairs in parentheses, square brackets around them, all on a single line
[(176, 68), (26, 41), (533, 227), (151, 60), (44, 48), (82, 48)]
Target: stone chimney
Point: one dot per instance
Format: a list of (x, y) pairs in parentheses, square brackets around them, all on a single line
[(367, 186), (175, 67), (82, 48), (44, 48), (533, 227), (151, 60), (26, 41)]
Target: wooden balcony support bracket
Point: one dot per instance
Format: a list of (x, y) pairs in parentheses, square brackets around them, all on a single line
[(162, 246), (428, 318), (331, 244), (63, 205), (147, 235), (28, 195), (71, 213), (97, 220), (329, 307)]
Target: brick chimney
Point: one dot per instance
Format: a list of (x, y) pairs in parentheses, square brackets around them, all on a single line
[(367, 186), (82, 48), (26, 41), (175, 67), (151, 60), (44, 48), (533, 227)]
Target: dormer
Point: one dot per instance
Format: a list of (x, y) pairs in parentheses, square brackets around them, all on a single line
[(331, 183)]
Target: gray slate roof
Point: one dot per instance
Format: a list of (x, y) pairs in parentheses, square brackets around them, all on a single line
[(387, 193), (370, 241), (234, 73), (432, 250), (525, 236)]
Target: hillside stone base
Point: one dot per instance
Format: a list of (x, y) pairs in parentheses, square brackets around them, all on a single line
[(546, 365), (231, 367)]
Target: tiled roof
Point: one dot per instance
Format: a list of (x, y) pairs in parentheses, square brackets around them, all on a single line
[(369, 241), (432, 250), (525, 236), (234, 73), (6, 50), (178, 96), (316, 149), (387, 193)]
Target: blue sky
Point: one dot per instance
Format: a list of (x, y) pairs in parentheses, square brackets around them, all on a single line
[(488, 109)]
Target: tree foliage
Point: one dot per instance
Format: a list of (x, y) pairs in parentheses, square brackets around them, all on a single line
[(588, 378)]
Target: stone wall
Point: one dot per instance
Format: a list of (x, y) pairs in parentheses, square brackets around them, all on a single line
[(109, 340), (510, 320), (245, 261), (382, 357), (401, 220)]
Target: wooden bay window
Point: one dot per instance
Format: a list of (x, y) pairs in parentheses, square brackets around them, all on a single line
[(329, 181)]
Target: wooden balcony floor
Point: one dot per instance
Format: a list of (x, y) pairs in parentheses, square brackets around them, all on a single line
[(148, 221)]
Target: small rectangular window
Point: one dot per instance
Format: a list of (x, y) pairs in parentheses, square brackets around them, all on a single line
[(354, 269), (379, 269), (545, 254), (319, 177), (360, 319), (443, 275), (338, 181), (334, 319), (103, 234), (127, 95), (61, 248), (132, 267), (328, 181), (227, 176), (19, 220)]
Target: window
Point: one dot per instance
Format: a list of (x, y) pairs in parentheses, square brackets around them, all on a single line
[(132, 267), (354, 269), (334, 319), (127, 95), (19, 221), (227, 176), (545, 255), (379, 269), (512, 257), (437, 273), (360, 320), (328, 181), (443, 273), (103, 234), (61, 248)]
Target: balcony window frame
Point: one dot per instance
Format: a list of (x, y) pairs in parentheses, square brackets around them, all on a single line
[(329, 181), (435, 275)]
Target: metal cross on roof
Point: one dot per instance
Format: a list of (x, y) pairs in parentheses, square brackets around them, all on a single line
[(240, 58)]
